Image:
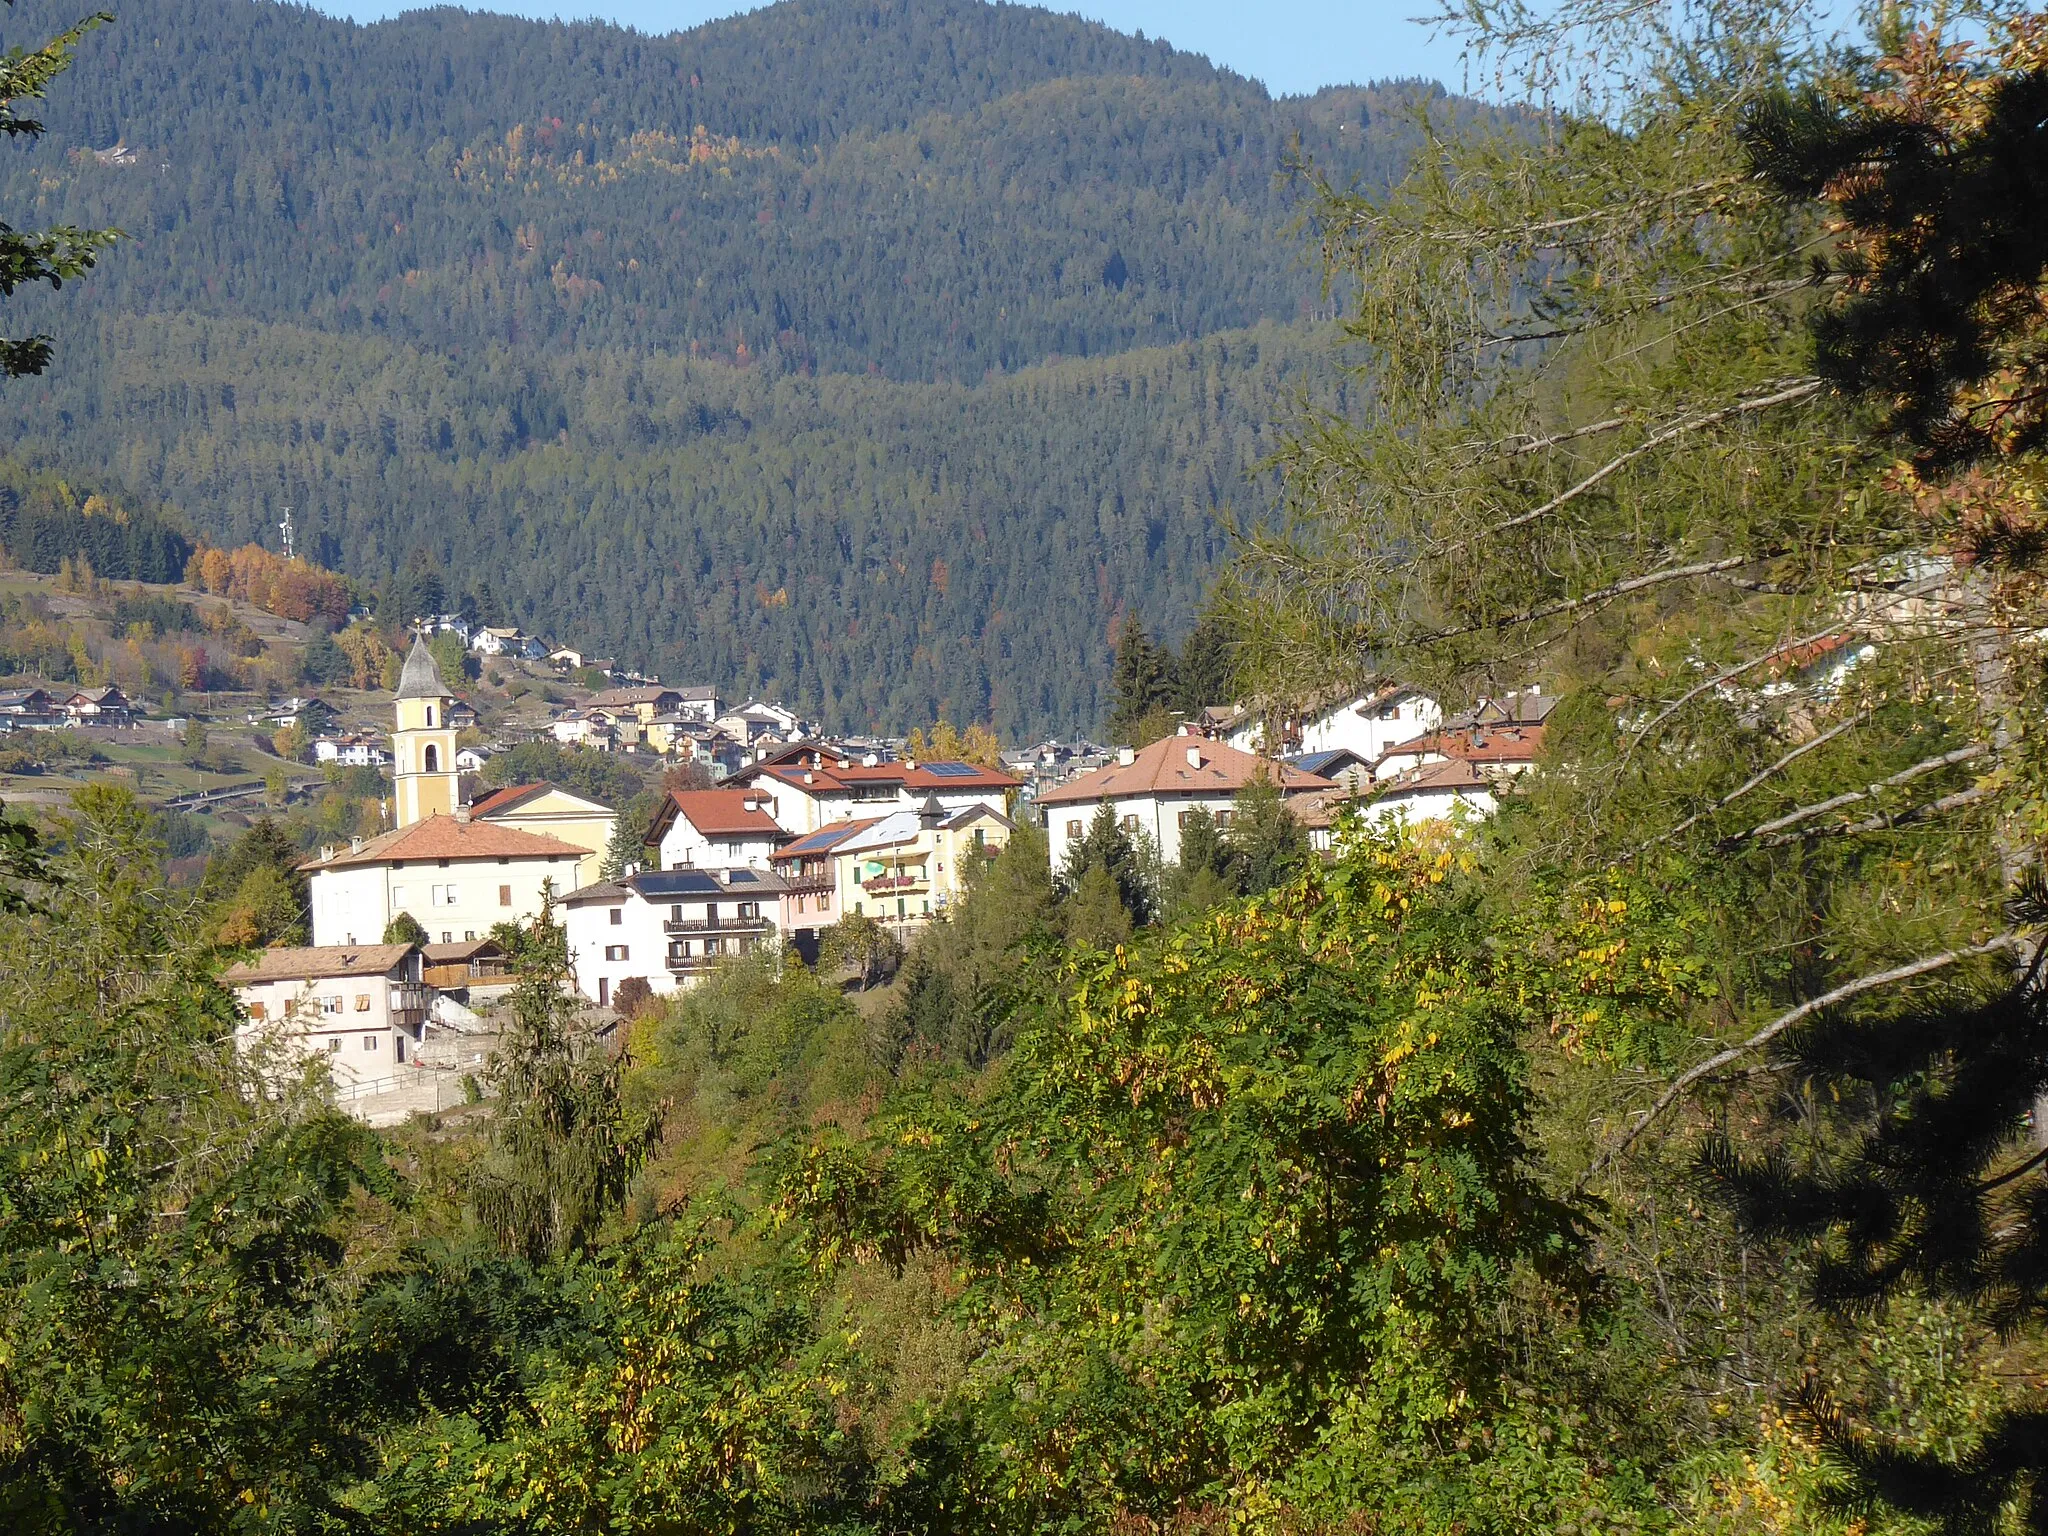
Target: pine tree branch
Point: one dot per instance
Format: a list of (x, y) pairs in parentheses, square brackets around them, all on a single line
[(1792, 818), (1885, 821), (1783, 392), (1602, 595), (1784, 1021), (1763, 776)]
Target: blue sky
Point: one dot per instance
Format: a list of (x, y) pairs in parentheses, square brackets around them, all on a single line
[(1292, 45)]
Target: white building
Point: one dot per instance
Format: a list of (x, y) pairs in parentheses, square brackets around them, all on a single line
[(722, 828), (350, 751), (669, 928), (363, 1007), (455, 876), (1371, 723), (813, 785), (491, 641), (1153, 791)]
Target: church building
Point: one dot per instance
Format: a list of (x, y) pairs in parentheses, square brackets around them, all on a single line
[(455, 873)]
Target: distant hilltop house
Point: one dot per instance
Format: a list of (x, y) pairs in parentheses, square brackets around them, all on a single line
[(104, 705), (494, 641), (1153, 791)]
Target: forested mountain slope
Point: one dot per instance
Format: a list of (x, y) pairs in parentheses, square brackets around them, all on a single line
[(502, 244)]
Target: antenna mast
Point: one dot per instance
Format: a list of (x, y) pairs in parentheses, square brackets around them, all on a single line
[(285, 528)]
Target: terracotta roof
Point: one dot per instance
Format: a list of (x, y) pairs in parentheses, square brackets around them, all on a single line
[(715, 813), (1500, 745), (446, 837), (311, 962), (1452, 773), (499, 801), (1166, 768), (465, 949), (940, 776)]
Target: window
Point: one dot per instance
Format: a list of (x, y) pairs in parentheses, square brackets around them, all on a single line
[(334, 1045), (1130, 823), (430, 750), (615, 952), (824, 901), (1073, 831), (330, 1004), (604, 990), (732, 850), (397, 897), (750, 911), (369, 1042), (468, 934), (675, 912), (679, 949), (257, 1011), (714, 946), (1225, 818), (362, 1002), (441, 895), (981, 840), (504, 895), (447, 937), (1181, 821), (618, 916), (433, 756)]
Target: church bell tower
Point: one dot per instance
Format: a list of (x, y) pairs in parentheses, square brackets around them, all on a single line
[(423, 745)]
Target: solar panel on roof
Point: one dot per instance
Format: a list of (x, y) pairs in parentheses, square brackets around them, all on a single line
[(953, 770)]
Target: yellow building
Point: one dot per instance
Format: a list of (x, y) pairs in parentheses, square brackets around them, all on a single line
[(548, 810), (423, 744), (908, 867)]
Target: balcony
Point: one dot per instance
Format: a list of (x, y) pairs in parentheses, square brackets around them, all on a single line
[(902, 883), (700, 964), (690, 925), (409, 1004)]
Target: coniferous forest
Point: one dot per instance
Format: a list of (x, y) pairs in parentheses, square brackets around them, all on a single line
[(880, 356)]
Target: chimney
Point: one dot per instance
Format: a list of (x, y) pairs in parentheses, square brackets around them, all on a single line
[(355, 845), (1194, 757), (809, 777), (1125, 756), (462, 814), (910, 763)]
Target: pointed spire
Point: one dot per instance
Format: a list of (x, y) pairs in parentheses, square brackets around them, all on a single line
[(421, 678)]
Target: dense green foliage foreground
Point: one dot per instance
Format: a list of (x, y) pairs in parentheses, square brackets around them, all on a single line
[(603, 322)]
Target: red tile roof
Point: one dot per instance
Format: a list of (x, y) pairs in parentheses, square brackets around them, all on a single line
[(449, 837), (1166, 768), (925, 776), (715, 813)]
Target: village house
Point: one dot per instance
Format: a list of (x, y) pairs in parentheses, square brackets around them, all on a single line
[(566, 658), (472, 759), (1340, 765), (812, 784), (907, 867), (669, 928), (363, 1007), (640, 704), (29, 709), (549, 810), (491, 641), (456, 876), (810, 884), (1433, 792), (755, 720), (1371, 723), (361, 750), (585, 728), (727, 828), (1500, 737), (1153, 791), (104, 705)]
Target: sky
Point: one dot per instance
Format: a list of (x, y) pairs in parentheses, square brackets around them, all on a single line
[(1294, 46)]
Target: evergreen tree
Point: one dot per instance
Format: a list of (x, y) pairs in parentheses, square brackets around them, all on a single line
[(1142, 687), (1206, 672), (1268, 846), (563, 1147), (404, 928), (1108, 848)]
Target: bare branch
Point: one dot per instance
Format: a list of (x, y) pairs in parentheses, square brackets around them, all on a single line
[(1792, 818), (1884, 821), (1602, 595), (1785, 1021), (1762, 776), (1783, 393)]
